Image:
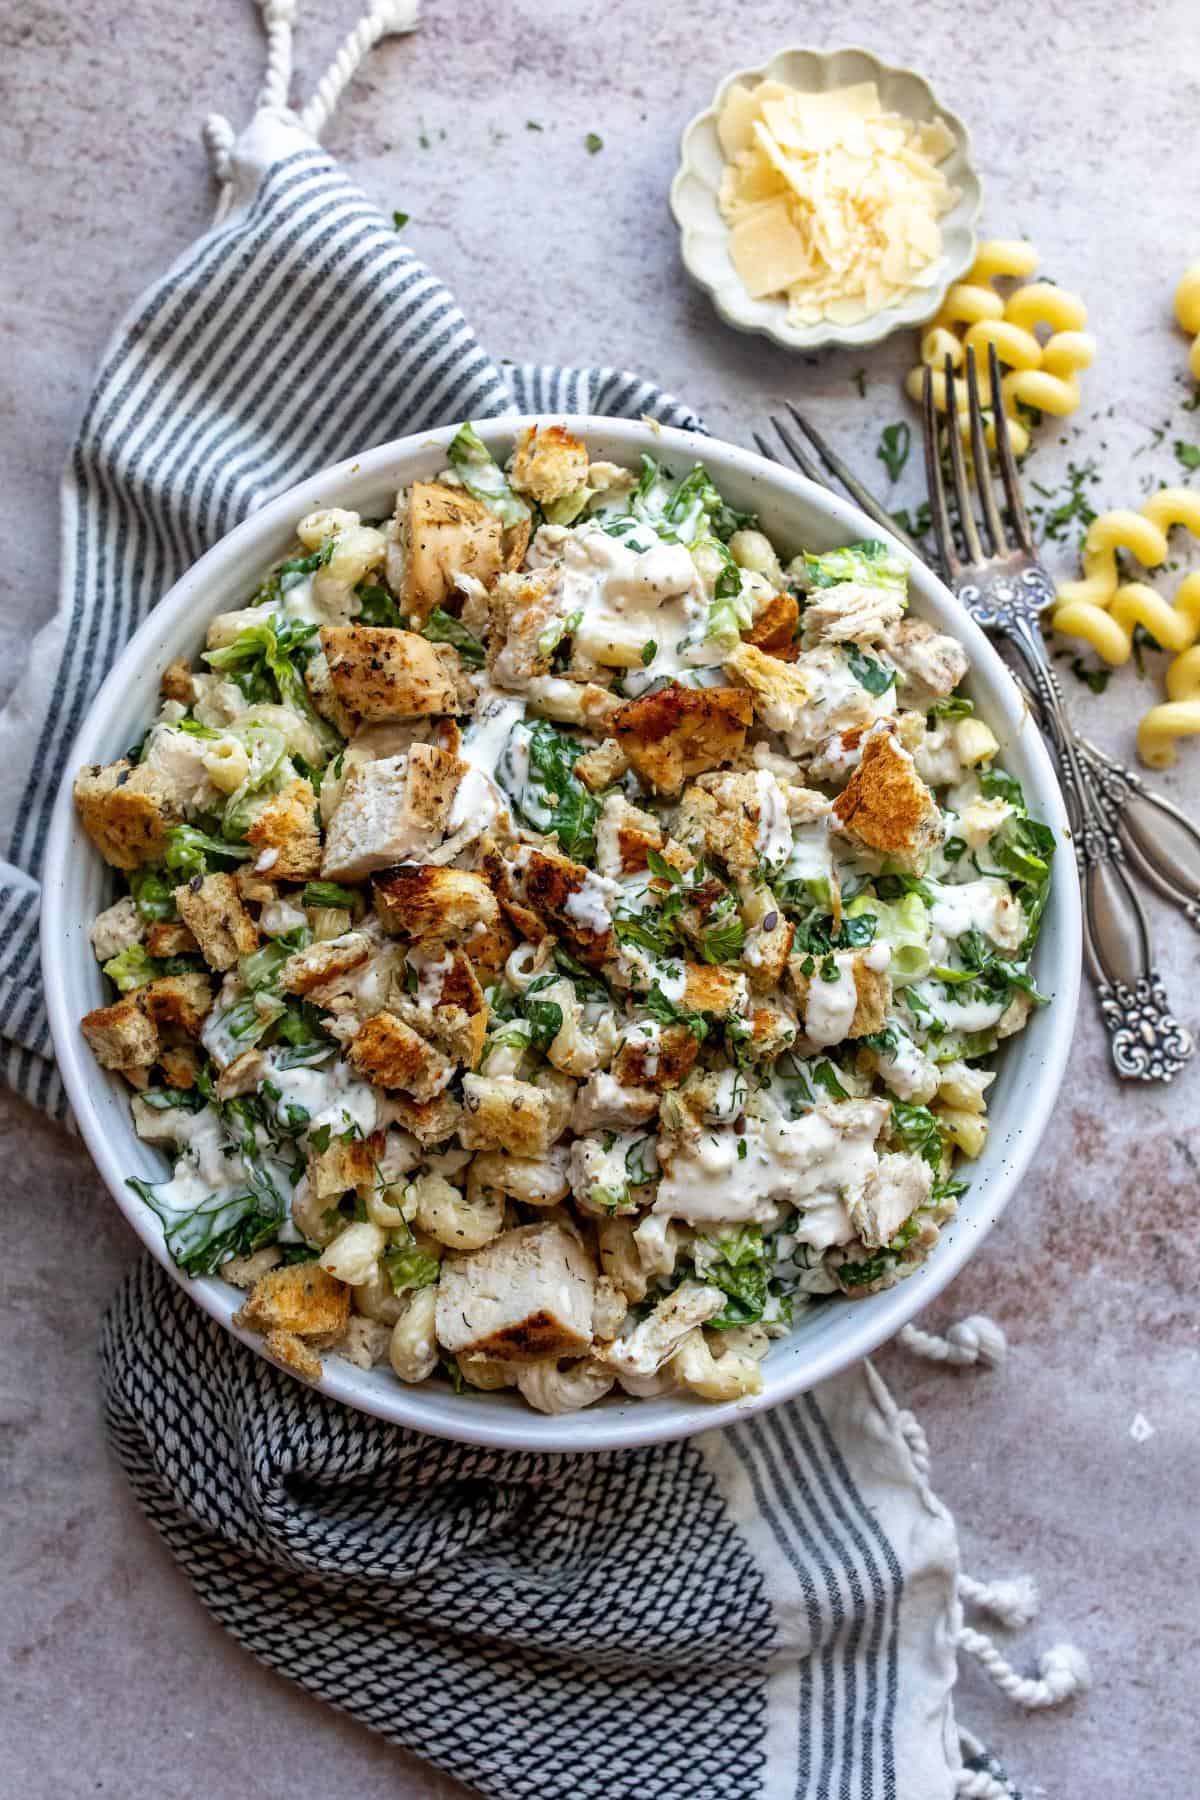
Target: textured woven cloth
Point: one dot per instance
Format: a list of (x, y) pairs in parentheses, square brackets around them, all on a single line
[(763, 1612)]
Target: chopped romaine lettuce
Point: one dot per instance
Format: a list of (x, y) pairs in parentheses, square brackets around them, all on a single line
[(131, 968), (870, 564), (483, 477)]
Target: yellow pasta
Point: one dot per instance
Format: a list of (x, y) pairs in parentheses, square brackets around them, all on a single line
[(1044, 376), (1178, 717), (1104, 612), (1143, 533), (1187, 311)]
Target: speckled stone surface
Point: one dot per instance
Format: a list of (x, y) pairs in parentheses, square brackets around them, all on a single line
[(115, 1681)]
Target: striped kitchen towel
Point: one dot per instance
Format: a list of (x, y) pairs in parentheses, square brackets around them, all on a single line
[(751, 1614), (770, 1611)]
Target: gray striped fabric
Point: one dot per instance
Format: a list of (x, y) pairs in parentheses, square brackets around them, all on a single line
[(765, 1612)]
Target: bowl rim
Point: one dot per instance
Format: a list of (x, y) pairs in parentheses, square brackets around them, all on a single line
[(423, 1408), (912, 316)]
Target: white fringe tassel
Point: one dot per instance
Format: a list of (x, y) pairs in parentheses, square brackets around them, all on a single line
[(385, 18), (974, 1340)]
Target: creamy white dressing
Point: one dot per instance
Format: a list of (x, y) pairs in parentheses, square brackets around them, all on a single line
[(907, 1070), (829, 1006), (985, 905), (431, 975), (331, 1095), (812, 1163), (279, 917), (633, 592), (591, 904), (838, 702), (960, 1015), (773, 835)]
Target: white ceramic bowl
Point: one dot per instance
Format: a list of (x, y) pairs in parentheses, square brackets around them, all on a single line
[(77, 885), (704, 235)]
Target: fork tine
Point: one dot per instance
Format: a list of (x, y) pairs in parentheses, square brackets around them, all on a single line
[(845, 475), (801, 458), (958, 471), (979, 455), (873, 508), (764, 449), (940, 517), (1008, 462)]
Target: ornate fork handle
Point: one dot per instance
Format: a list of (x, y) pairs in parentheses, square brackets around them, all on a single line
[(1162, 841), (1148, 1043)]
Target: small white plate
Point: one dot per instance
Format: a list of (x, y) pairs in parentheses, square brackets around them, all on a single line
[(704, 235)]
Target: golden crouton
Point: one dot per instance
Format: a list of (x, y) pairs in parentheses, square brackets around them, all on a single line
[(242, 1075), (872, 987), (302, 1299), (774, 630), (449, 533), (390, 811), (549, 883), (886, 805), (286, 1348), (549, 463), (177, 682), (390, 1054), (430, 1121), (307, 969), (180, 1065), (121, 1036), (526, 610), (768, 946), (528, 923), (125, 811), (287, 825), (427, 903), (254, 887), (502, 1113), (780, 692), (169, 938), (772, 1031), (380, 673), (660, 1060), (680, 731), (602, 767), (624, 837), (712, 989), (722, 815), (177, 1004), (344, 1164), (211, 907), (460, 1013)]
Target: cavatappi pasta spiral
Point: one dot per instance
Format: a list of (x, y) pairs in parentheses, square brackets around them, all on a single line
[(1040, 375), (1187, 311), (1104, 611)]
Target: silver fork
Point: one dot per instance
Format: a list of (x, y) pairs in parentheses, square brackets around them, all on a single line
[(1005, 591)]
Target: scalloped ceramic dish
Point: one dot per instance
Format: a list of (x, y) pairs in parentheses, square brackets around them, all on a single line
[(704, 235), (77, 884)]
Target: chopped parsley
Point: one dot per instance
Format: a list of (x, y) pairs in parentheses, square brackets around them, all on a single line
[(893, 447)]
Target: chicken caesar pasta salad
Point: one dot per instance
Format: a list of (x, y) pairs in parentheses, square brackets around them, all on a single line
[(562, 940)]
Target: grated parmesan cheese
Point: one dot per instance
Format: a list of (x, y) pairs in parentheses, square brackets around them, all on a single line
[(831, 200)]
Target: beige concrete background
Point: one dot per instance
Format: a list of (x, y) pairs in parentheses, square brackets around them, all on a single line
[(115, 1681)]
